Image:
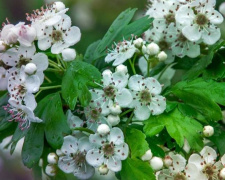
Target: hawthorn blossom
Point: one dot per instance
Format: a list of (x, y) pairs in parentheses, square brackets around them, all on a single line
[(201, 23), (206, 163), (123, 51), (108, 150), (146, 98), (73, 158)]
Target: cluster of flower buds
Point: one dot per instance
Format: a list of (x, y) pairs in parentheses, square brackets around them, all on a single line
[(180, 26), (22, 67)]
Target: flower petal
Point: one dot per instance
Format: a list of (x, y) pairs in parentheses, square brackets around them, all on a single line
[(41, 61), (209, 155), (135, 82), (153, 85), (124, 97), (142, 112), (95, 157), (116, 136), (72, 36), (192, 32), (157, 105), (114, 164), (70, 145), (66, 164)]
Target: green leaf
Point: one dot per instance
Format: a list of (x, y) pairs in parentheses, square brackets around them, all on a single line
[(33, 145), (89, 54), (75, 81), (202, 96), (157, 69), (117, 26), (140, 146), (170, 105), (50, 111), (155, 148), (185, 63), (136, 170), (178, 127)]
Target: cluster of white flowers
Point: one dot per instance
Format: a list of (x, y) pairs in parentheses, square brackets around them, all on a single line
[(180, 26), (199, 166), (21, 66)]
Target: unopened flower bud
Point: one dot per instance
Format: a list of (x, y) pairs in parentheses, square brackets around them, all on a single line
[(52, 158), (59, 6), (152, 49), (208, 131), (2, 46), (8, 34), (103, 170), (162, 56), (103, 129), (121, 68), (138, 42), (30, 68), (50, 170), (147, 156), (156, 163), (115, 109), (144, 49), (222, 8), (222, 173), (26, 34), (68, 54), (168, 161), (107, 72), (113, 120)]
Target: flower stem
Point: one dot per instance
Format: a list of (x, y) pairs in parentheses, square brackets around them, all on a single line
[(47, 79), (55, 65), (84, 129), (148, 68), (50, 87), (132, 66), (126, 112), (129, 119)]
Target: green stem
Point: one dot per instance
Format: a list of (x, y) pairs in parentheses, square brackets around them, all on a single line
[(84, 129), (132, 66), (55, 65), (148, 68), (38, 93), (53, 70), (50, 87), (47, 79), (129, 119), (126, 112)]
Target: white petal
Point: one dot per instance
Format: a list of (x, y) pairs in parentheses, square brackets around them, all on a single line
[(122, 151), (72, 36), (105, 106), (185, 15), (122, 57), (97, 140), (193, 51), (65, 22), (116, 136), (192, 32), (27, 52), (32, 84), (135, 82), (124, 97), (211, 36), (41, 61), (84, 172), (192, 172), (70, 145), (114, 164), (157, 105), (58, 47), (110, 57), (142, 112), (84, 144), (10, 57), (215, 17), (223, 159), (66, 164), (120, 79), (153, 85), (53, 20), (44, 44), (95, 157), (41, 76), (197, 160), (165, 174), (73, 121), (179, 163), (209, 154), (30, 101)]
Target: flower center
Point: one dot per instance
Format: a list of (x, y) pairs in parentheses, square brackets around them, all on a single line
[(209, 171), (108, 149), (57, 35), (95, 113), (170, 18), (163, 45), (23, 61), (79, 158), (109, 91), (201, 20), (179, 177), (2, 64), (145, 96), (181, 38)]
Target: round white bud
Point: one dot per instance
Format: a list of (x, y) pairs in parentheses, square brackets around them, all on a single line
[(156, 163), (168, 161), (222, 173), (113, 120), (144, 49), (2, 46), (30, 68), (59, 6), (52, 158), (107, 72), (222, 8), (103, 129), (68, 54), (147, 156), (115, 109), (152, 49), (162, 56), (103, 170), (138, 42), (121, 68), (208, 131), (50, 170)]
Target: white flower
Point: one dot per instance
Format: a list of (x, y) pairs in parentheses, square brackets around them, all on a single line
[(156, 163), (115, 109), (109, 150), (201, 25), (73, 121), (168, 161), (121, 68), (179, 170), (208, 131), (114, 91), (138, 42), (222, 8), (8, 34), (60, 36), (59, 6), (50, 170), (73, 160), (103, 129), (206, 163), (152, 49), (146, 98), (52, 158), (68, 54), (113, 119), (123, 51), (30, 68), (147, 156)]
